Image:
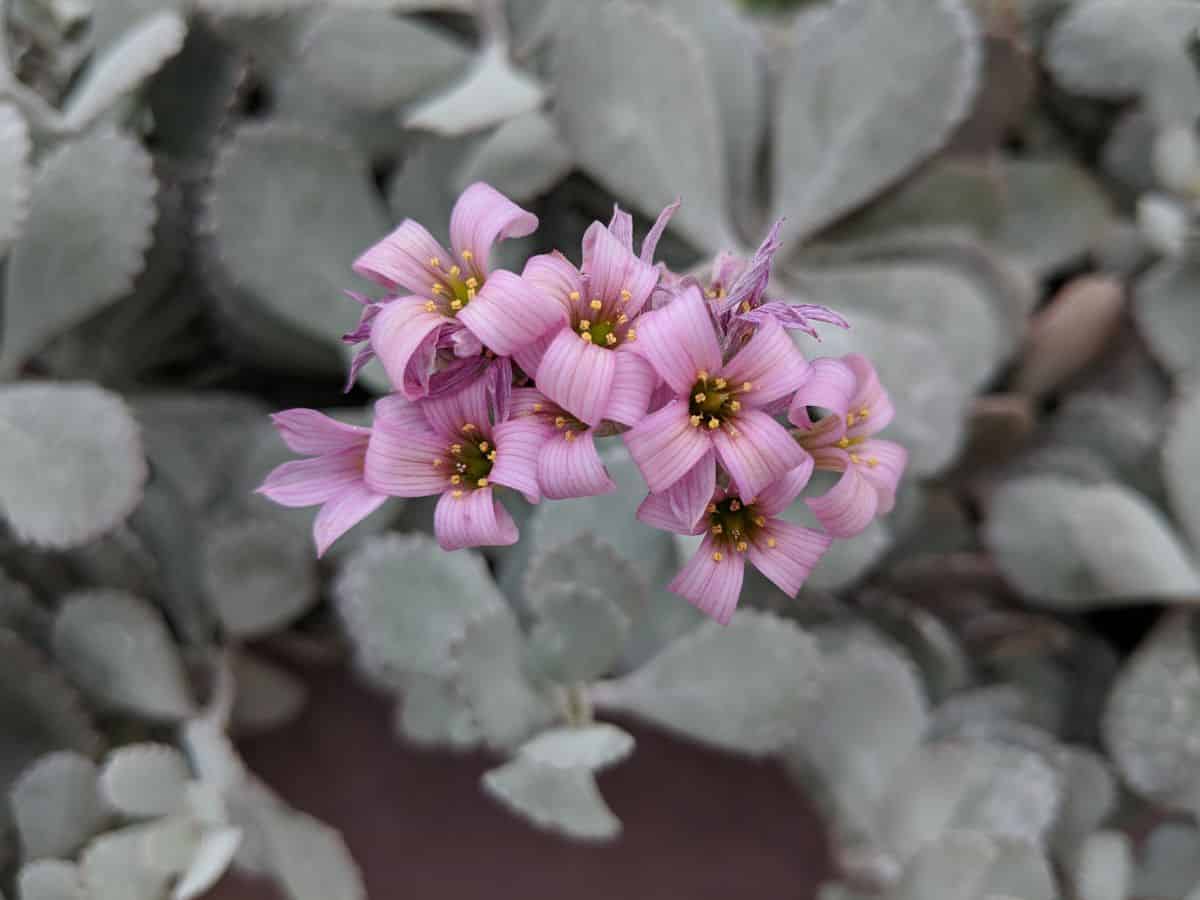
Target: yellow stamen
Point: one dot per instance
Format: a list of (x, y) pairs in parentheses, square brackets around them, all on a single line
[(482, 482), (467, 255), (456, 479), (850, 420), (696, 420), (569, 436), (430, 307), (713, 424), (625, 295), (456, 304), (717, 529), (537, 407), (742, 546), (457, 495), (435, 262), (596, 304), (747, 386), (855, 458), (771, 542), (872, 461), (700, 398), (492, 456), (720, 384), (437, 287), (468, 428), (456, 449), (734, 505), (745, 306), (560, 422), (711, 294), (455, 271), (631, 335), (702, 375), (585, 324), (735, 405), (711, 508), (484, 446), (717, 557), (436, 463), (587, 337), (864, 412), (760, 521), (574, 295), (622, 319), (472, 282), (844, 443), (610, 339)]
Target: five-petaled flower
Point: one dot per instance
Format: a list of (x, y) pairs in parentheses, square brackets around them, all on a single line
[(568, 464)]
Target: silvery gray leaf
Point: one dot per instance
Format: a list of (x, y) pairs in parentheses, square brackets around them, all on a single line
[(602, 107), (15, 177), (523, 158), (266, 696), (1170, 862), (84, 240), (587, 560), (73, 466), (56, 805), (50, 879), (741, 687), (406, 603), (492, 91), (1167, 315), (122, 67), (593, 747), (434, 713), (565, 801), (845, 131), (1180, 451), (1020, 869), (953, 868), (142, 781), (1103, 868), (373, 60), (21, 613), (579, 634), (309, 859), (260, 576), (114, 867), (211, 859), (1089, 797), (117, 649)]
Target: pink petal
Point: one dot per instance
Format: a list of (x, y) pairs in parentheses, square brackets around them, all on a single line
[(342, 512), (682, 507), (621, 227), (796, 552), (633, 383), (524, 400), (404, 336), (666, 446), (572, 468), (557, 277), (401, 260), (884, 476), (870, 396), (680, 341), (613, 268), (518, 443), (761, 452), (578, 376), (307, 482), (751, 282), (467, 405), (779, 494), (481, 217), (464, 343), (830, 385), (849, 506), (654, 235), (771, 362), (531, 355), (474, 519), (711, 586), (509, 314), (402, 450), (311, 433)]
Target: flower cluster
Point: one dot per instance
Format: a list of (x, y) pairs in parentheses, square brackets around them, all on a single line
[(506, 380)]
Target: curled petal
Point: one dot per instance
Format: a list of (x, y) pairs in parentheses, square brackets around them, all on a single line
[(531, 355), (508, 314), (681, 508), (311, 433), (554, 275), (786, 553), (882, 466), (307, 482), (654, 235), (578, 376), (613, 268), (679, 340), (405, 336), (402, 260), (499, 377), (870, 396), (463, 342), (761, 452), (666, 446), (473, 519), (849, 506), (771, 362), (621, 227), (751, 282), (518, 443), (404, 457), (342, 512), (481, 217), (528, 401), (572, 468), (633, 383), (830, 385), (794, 316), (780, 494), (467, 405), (710, 584)]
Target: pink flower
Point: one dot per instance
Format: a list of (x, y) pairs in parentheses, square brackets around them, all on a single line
[(844, 441), (589, 367), (736, 530), (717, 408), (567, 464), (455, 306), (331, 478), (449, 445)]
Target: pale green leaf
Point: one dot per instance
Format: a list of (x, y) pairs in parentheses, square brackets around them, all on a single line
[(118, 650), (1089, 797), (50, 879), (56, 805), (1103, 868), (266, 696), (142, 781), (434, 713), (14, 174), (579, 633), (115, 867), (73, 466), (954, 868), (565, 801), (492, 91), (83, 243), (1170, 862), (1167, 314), (1020, 869), (522, 159), (594, 747), (845, 130), (309, 859), (212, 857)]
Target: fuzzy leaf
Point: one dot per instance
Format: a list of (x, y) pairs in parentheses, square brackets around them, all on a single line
[(56, 805), (1170, 865), (844, 130), (492, 679), (1020, 869), (14, 174), (522, 159), (954, 868), (266, 697), (142, 781), (83, 243), (740, 687), (373, 60), (73, 466), (493, 91), (118, 650), (1167, 314), (1072, 546), (565, 801), (289, 212), (579, 633), (593, 747), (603, 109), (121, 68), (1104, 867), (114, 867), (406, 603), (260, 575), (212, 857), (1089, 797), (310, 859), (1152, 724), (1179, 454), (434, 713), (50, 879)]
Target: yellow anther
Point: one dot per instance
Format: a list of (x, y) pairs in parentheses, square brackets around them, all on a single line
[(735, 405), (470, 294), (437, 462), (468, 428), (771, 542), (437, 287), (702, 375), (435, 262), (492, 456), (467, 255), (596, 304), (457, 495), (711, 508), (747, 386), (538, 407), (456, 479), (696, 420), (844, 443), (560, 422), (717, 557), (456, 304), (455, 271), (872, 461), (631, 335), (482, 482), (855, 458), (733, 432), (472, 282), (625, 295), (720, 384), (742, 546), (717, 529), (484, 446), (850, 420), (760, 521), (734, 505), (456, 449), (713, 424), (700, 398), (429, 306), (610, 339), (622, 319), (585, 324), (574, 295), (569, 436), (864, 412), (745, 307), (711, 294), (587, 337)]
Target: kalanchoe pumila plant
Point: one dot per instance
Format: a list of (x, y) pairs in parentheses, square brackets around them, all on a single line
[(506, 381)]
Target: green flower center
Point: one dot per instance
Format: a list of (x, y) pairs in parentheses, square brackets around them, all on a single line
[(714, 401), (470, 460), (454, 288), (735, 527), (603, 324)]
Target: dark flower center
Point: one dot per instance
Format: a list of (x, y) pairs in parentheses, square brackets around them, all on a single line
[(454, 288), (601, 323), (470, 460), (714, 401), (734, 527)]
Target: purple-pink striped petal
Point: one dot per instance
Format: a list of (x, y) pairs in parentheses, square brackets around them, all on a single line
[(449, 412), (555, 276), (654, 235), (311, 433), (527, 401), (307, 482), (481, 217), (633, 383), (772, 364), (830, 385), (793, 316), (518, 443), (848, 507), (761, 452), (682, 507), (572, 468), (795, 553), (871, 397), (781, 493), (509, 314), (578, 376), (666, 446), (680, 341), (402, 260), (621, 227), (403, 454), (709, 584), (342, 512), (751, 282), (405, 336), (613, 268), (882, 465), (473, 519)]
